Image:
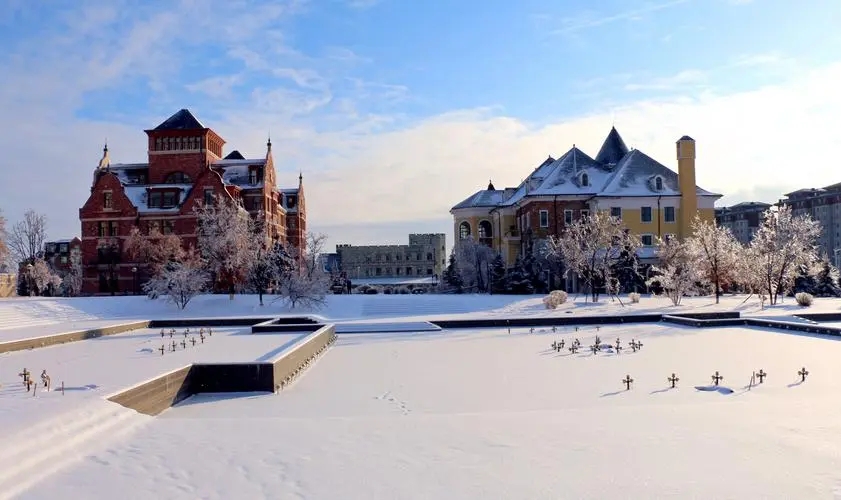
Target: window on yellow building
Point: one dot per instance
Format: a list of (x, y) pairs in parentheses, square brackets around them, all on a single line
[(669, 214), (645, 214)]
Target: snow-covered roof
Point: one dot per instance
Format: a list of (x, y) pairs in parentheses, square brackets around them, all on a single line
[(616, 172), (138, 195)]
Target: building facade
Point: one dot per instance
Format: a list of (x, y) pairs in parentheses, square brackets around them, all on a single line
[(824, 206), (651, 199), (185, 168), (425, 257), (742, 219), (60, 254)]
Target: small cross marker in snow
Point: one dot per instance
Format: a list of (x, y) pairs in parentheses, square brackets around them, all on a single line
[(560, 346), (803, 374), (627, 381), (761, 375), (635, 346), (162, 333), (25, 374), (673, 379), (193, 341), (171, 332), (173, 345), (618, 349), (594, 349), (210, 331), (162, 349), (618, 344), (577, 343), (573, 348), (717, 378), (598, 341), (183, 344), (201, 336)]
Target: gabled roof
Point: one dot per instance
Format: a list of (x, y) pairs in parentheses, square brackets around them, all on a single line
[(234, 155), (181, 120), (613, 149)]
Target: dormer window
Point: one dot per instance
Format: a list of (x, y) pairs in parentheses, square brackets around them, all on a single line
[(658, 183), (585, 179)]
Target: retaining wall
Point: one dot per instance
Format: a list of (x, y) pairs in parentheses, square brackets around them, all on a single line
[(292, 327), (158, 394), (190, 322), (61, 338), (820, 317), (572, 320)]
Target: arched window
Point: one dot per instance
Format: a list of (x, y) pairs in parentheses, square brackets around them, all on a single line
[(485, 232), (464, 230), (585, 179), (178, 178), (658, 183)]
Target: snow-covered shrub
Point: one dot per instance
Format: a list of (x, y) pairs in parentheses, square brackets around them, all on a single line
[(402, 290), (554, 299), (804, 299), (635, 297)]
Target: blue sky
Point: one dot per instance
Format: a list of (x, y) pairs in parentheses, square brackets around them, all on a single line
[(395, 110)]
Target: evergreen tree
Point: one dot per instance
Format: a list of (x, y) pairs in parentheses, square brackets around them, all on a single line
[(518, 280), (826, 281), (626, 270), (452, 276), (804, 281), (499, 281), (534, 273)]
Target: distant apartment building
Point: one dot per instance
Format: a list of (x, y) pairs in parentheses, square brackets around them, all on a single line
[(59, 254), (824, 206), (423, 259), (742, 219)]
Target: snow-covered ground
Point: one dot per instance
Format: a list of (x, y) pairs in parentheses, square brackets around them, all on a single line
[(485, 414), (447, 414)]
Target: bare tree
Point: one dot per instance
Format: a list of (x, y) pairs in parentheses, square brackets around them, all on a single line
[(4, 248), (180, 281), (262, 272), (677, 271), (593, 247), (303, 281), (227, 239), (715, 251), (781, 244), (27, 236)]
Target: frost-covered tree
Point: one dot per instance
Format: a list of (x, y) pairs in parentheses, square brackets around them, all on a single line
[(499, 281), (262, 272), (677, 271), (227, 240), (41, 280), (71, 283), (715, 251), (26, 237), (473, 260), (179, 281), (781, 244), (452, 275), (154, 250), (304, 282), (591, 247)]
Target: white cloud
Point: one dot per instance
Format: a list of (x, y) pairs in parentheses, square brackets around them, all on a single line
[(592, 19)]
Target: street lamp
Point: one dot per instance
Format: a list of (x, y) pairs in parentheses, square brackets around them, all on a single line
[(134, 277), (29, 268)]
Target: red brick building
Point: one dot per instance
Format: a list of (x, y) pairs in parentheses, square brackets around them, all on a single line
[(59, 254), (185, 167)]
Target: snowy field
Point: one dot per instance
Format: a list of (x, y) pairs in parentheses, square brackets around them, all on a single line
[(484, 414)]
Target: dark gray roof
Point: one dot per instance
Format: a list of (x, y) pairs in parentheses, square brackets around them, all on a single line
[(613, 149), (687, 138), (483, 198), (234, 155), (181, 120), (491, 186)]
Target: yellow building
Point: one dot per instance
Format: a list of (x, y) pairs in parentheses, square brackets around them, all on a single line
[(651, 199)]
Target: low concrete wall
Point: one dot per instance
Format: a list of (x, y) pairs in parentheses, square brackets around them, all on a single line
[(565, 321), (703, 323), (293, 360), (791, 326), (710, 315), (298, 320), (61, 338), (820, 317), (156, 395), (273, 328), (190, 322), (232, 377), (160, 393)]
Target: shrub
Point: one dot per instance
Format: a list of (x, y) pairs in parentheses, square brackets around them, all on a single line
[(554, 299), (402, 290), (635, 297), (804, 299)]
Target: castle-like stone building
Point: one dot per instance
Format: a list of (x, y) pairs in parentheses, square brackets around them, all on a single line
[(185, 168), (651, 199), (424, 257)]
